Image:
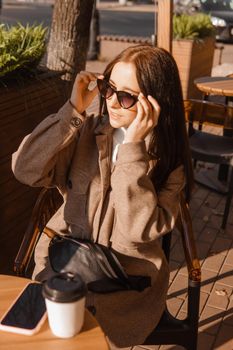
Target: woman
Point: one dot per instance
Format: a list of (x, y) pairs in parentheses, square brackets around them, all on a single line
[(121, 175)]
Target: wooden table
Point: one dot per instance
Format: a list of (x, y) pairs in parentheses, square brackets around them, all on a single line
[(90, 338), (222, 86)]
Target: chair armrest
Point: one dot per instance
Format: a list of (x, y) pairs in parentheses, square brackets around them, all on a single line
[(48, 201)]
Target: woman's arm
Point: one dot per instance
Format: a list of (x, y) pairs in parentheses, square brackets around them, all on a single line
[(47, 151), (49, 146), (141, 214)]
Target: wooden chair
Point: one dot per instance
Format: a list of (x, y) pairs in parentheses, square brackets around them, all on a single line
[(210, 148), (170, 329), (48, 202)]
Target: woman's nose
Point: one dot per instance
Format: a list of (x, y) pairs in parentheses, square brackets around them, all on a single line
[(113, 101)]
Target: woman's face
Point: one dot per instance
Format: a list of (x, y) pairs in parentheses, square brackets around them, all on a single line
[(122, 78)]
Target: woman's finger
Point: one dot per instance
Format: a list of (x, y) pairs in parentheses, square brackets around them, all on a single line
[(148, 119), (92, 76), (145, 105), (155, 105), (94, 91), (93, 85), (140, 112), (86, 77)]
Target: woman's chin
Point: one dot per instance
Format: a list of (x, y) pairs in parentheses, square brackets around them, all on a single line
[(116, 123)]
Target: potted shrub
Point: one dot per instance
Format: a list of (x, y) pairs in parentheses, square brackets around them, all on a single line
[(193, 49), (28, 90), (21, 48), (28, 93)]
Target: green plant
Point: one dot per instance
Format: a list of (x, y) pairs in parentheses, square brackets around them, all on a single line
[(195, 27), (21, 47)]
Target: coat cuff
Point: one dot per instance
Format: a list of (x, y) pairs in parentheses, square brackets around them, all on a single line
[(69, 116), (132, 152)]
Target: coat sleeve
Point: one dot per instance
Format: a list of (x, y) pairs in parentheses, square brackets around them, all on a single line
[(143, 215), (44, 155)]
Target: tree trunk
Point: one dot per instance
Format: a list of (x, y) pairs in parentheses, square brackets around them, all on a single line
[(69, 36)]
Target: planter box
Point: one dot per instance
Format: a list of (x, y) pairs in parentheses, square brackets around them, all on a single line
[(194, 60), (111, 45), (23, 105)]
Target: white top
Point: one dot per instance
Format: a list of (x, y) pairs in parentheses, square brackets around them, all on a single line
[(118, 139)]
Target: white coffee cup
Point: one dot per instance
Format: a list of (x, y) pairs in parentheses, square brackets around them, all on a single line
[(65, 301)]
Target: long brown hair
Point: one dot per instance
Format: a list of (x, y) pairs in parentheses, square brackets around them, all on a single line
[(158, 76)]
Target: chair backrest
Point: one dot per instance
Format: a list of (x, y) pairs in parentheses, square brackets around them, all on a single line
[(202, 112), (184, 226), (47, 203)]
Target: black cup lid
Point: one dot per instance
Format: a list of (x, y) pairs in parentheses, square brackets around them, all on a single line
[(64, 287)]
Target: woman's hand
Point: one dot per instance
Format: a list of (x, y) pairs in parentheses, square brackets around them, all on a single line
[(146, 119), (81, 96)]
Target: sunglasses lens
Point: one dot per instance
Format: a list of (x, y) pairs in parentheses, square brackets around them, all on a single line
[(126, 100), (104, 88)]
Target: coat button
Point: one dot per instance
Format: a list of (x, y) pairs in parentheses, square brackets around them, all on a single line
[(76, 122), (69, 184)]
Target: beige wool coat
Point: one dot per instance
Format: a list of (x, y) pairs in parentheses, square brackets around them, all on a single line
[(115, 205)]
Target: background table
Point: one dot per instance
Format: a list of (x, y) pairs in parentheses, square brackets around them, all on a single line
[(90, 338), (222, 86)]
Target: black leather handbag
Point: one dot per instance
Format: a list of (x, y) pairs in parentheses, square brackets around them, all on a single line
[(96, 264)]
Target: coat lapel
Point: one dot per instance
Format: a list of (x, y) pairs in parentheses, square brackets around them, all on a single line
[(103, 135)]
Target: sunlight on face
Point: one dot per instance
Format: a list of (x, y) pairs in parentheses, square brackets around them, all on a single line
[(122, 78)]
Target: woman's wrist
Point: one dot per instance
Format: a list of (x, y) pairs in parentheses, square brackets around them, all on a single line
[(74, 107)]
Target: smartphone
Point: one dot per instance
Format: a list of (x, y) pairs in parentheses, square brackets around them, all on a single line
[(27, 313)]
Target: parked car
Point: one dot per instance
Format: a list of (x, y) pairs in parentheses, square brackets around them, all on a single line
[(221, 13)]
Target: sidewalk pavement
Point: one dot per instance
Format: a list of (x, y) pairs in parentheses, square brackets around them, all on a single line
[(215, 251)]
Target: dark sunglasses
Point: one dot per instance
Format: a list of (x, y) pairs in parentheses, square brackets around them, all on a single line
[(125, 99)]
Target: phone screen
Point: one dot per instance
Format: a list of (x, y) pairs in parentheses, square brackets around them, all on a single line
[(28, 309)]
